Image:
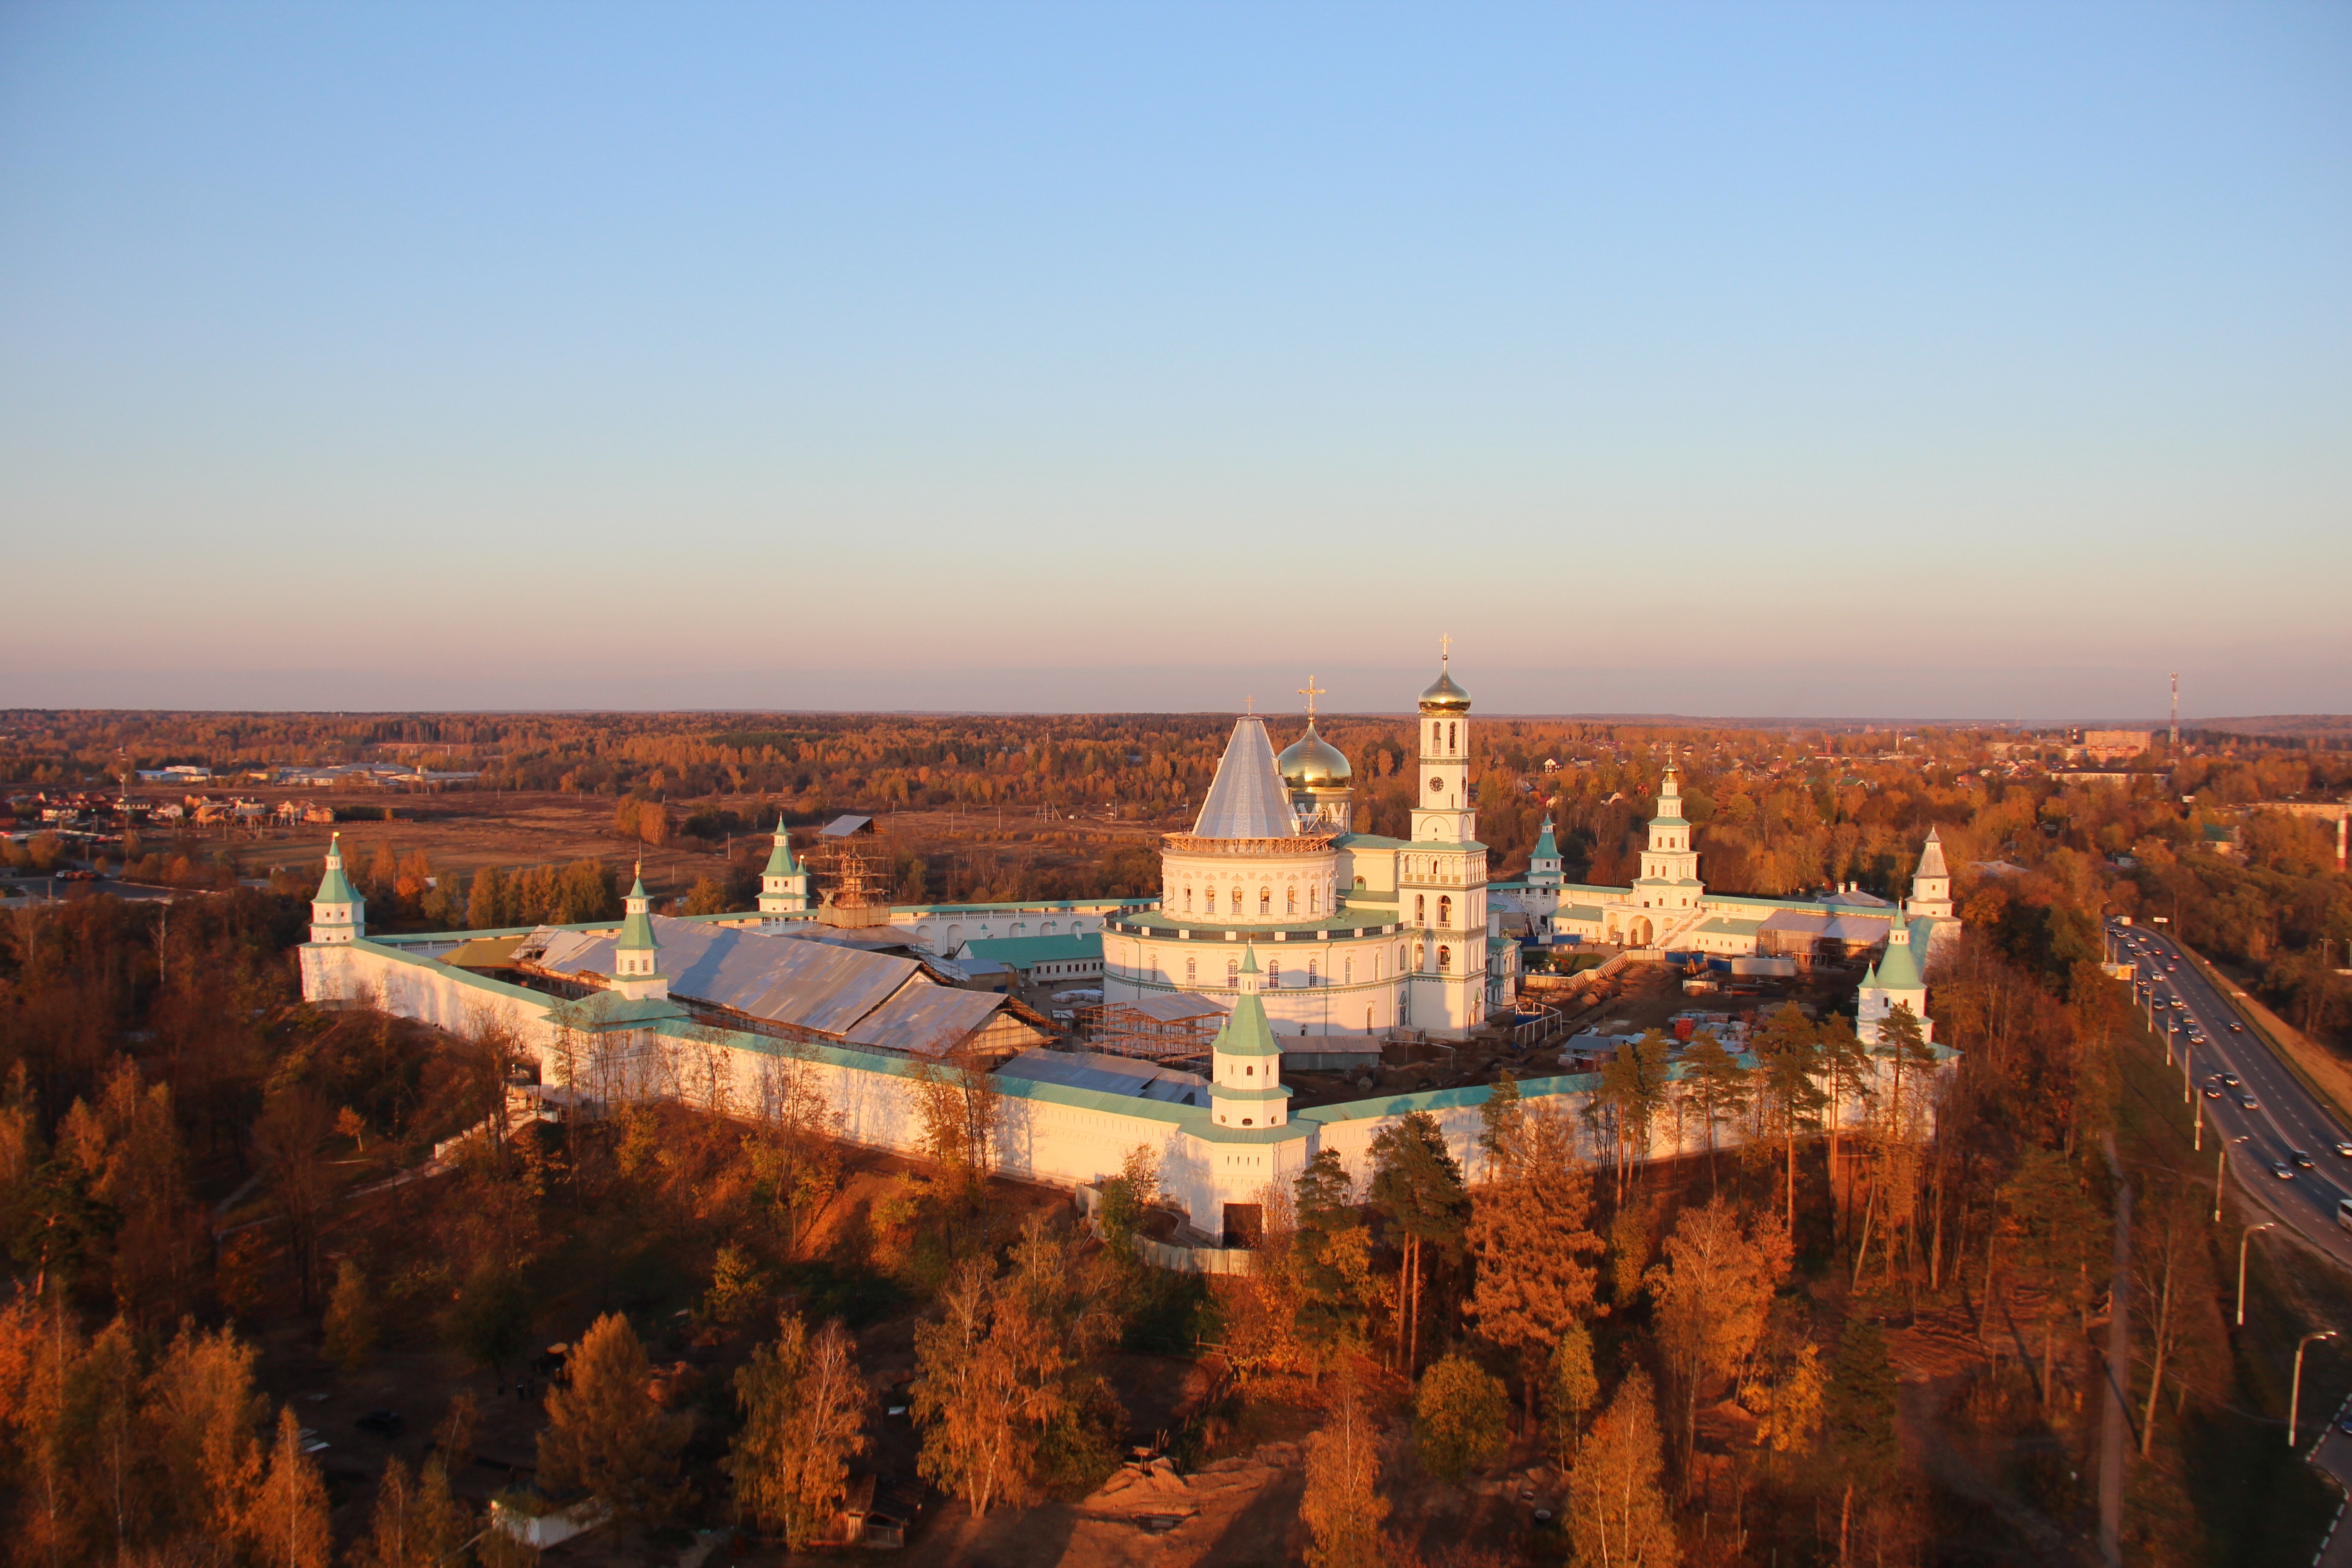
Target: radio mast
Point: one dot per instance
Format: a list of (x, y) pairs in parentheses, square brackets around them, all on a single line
[(2175, 747)]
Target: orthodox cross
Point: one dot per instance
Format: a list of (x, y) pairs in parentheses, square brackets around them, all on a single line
[(1311, 691), (1446, 649), (1249, 705)]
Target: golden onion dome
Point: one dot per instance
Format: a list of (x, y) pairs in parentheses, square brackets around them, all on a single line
[(1313, 763), (1443, 695)]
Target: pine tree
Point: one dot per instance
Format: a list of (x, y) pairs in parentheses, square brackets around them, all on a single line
[(1333, 1254), (1418, 1185), (1789, 1055), (802, 1401), (1531, 1234), (1859, 1411), (1343, 1507), (605, 1433), (1617, 1512), (416, 1523), (1719, 1081)]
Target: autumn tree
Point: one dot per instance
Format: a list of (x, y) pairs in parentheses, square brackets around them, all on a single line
[(1714, 1291), (1569, 1389), (1417, 1184), (286, 1137), (1530, 1234), (1618, 1515), (795, 1151), (202, 1409), (287, 1525), (1343, 1507), (1631, 1092), (1460, 1415), (2049, 1231), (802, 1405), (1717, 1082), (999, 1375), (351, 1328), (416, 1522), (605, 1433)]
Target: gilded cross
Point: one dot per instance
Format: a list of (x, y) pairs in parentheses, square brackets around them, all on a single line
[(1249, 705), (1311, 691), (1446, 649)]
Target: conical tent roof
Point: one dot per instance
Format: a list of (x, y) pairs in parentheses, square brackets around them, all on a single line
[(1931, 858), (1899, 971), (1247, 799), (1545, 849), (334, 888), (1246, 1032), (779, 860), (638, 929)]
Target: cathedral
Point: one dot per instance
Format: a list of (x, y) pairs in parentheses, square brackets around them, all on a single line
[(1358, 934)]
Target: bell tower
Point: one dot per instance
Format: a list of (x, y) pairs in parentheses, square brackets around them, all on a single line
[(1248, 1089), (1442, 810), (636, 961), (785, 885)]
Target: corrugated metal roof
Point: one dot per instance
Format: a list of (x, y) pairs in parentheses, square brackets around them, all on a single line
[(1023, 951), (1247, 800), (1109, 1075), (926, 1020), (814, 984), (1177, 1008)]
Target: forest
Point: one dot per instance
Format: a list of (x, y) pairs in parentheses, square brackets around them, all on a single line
[(230, 1239)]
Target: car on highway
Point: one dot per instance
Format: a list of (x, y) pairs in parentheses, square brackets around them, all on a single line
[(2344, 1150), (2212, 1091), (2279, 1169), (2231, 1078), (2246, 1102), (2237, 1028), (2300, 1158)]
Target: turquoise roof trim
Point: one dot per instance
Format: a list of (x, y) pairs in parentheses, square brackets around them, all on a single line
[(1545, 848), (779, 860), (334, 888)]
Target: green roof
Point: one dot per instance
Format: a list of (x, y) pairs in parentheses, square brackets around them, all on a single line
[(1899, 971), (1245, 1032), (334, 888), (1021, 951), (779, 860), (638, 929), (1724, 925), (1545, 848)]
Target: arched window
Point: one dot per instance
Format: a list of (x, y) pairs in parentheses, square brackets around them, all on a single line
[(1453, 739), (1265, 901), (1237, 900), (1348, 972), (1444, 911), (1290, 899), (1420, 953), (1188, 901), (1273, 973), (1313, 899), (1445, 958), (1233, 971), (1310, 971), (1192, 970)]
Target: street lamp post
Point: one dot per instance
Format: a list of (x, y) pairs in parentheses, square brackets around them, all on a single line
[(2185, 1096), (2249, 1236), (2222, 1172), (2295, 1398)]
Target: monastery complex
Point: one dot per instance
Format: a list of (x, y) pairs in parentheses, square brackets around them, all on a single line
[(1290, 938)]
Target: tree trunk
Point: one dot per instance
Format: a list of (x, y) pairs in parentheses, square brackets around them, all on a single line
[(1845, 1519), (1869, 1212), (2163, 1342)]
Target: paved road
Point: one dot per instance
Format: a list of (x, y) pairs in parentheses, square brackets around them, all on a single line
[(2285, 1116)]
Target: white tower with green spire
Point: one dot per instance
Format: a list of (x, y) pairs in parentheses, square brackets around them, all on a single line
[(1247, 1090), (637, 956), (1931, 884), (1892, 980), (1544, 866), (338, 913), (785, 885)]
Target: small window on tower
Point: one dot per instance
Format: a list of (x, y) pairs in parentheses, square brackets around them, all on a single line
[(1265, 901), (1445, 958), (1290, 900), (1419, 909), (1444, 911), (1453, 740)]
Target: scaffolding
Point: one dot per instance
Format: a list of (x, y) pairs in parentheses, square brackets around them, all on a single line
[(854, 875), (1155, 1028)]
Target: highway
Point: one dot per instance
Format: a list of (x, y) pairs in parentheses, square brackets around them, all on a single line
[(2285, 1117)]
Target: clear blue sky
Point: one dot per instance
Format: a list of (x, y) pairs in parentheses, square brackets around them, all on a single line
[(1887, 360)]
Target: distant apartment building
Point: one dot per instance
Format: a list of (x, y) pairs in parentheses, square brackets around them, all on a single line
[(2116, 745)]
